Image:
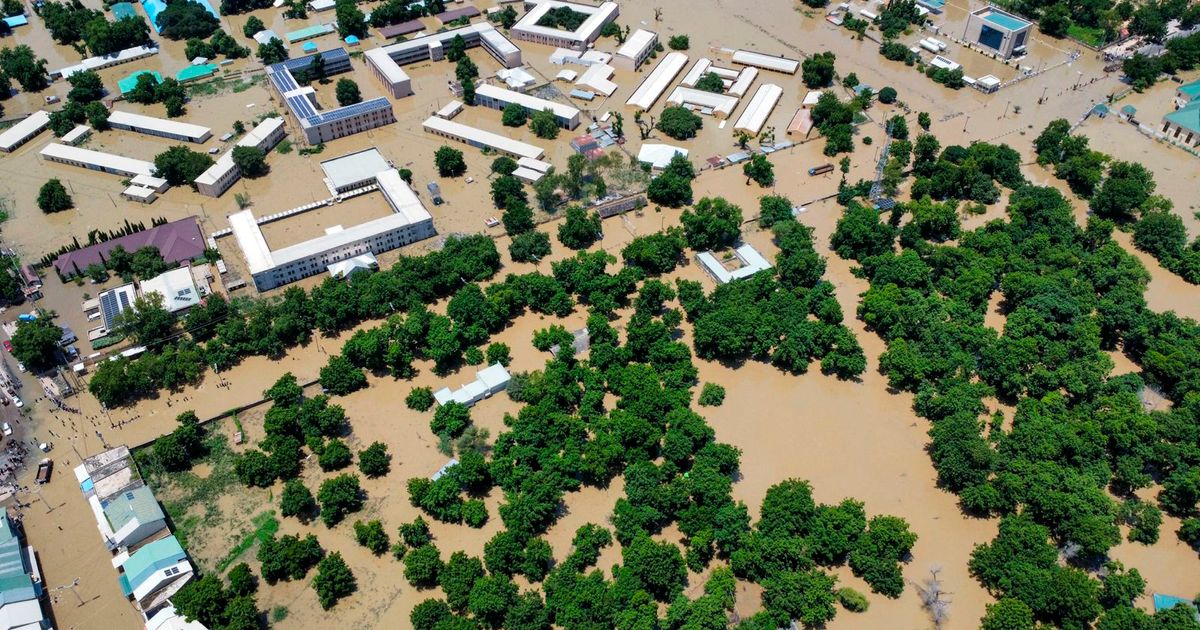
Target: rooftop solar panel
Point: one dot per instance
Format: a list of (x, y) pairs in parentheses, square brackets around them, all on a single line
[(350, 110), (301, 107)]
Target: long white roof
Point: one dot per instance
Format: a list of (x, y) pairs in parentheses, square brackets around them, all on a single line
[(401, 197), (766, 62), (486, 138), (637, 43), (531, 103), (596, 78), (258, 136), (20, 132), (658, 80), (697, 72), (151, 123), (250, 240), (742, 84), (761, 105), (119, 163), (720, 103)]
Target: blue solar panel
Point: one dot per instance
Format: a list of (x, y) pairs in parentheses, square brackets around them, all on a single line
[(282, 80), (302, 63), (301, 106), (350, 111)]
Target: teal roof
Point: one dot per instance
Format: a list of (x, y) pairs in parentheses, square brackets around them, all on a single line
[(127, 84), (196, 72), (138, 504), (1191, 90), (1187, 116), (1005, 21), (15, 583), (309, 32), (122, 10), (156, 556), (1129, 110)]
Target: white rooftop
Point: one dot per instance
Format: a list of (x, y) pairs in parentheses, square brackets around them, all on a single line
[(768, 62), (597, 16), (658, 81), (697, 72), (124, 165), (659, 155), (596, 77), (761, 104), (486, 138), (752, 263), (18, 133), (354, 167), (722, 104), (117, 117), (636, 43), (251, 241), (176, 287), (532, 103)]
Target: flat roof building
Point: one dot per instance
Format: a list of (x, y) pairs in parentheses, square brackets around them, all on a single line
[(716, 105), (597, 79), (323, 126), (76, 135), (354, 170), (24, 131), (527, 27), (104, 61), (224, 173), (699, 69), (747, 262), (177, 288), (386, 61), (761, 105), (766, 62), (657, 81), (161, 127), (481, 139), (998, 31), (636, 49), (96, 161), (21, 585), (496, 97), (408, 223), (492, 379)]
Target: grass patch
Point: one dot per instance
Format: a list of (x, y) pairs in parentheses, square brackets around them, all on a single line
[(1089, 35), (320, 148), (265, 526), (220, 85), (187, 489), (279, 613), (284, 147)]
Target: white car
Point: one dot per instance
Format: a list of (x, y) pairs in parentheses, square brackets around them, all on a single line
[(17, 402), (21, 366), (8, 430)]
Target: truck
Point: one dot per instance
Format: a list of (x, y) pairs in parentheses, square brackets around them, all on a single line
[(43, 472), (821, 170)]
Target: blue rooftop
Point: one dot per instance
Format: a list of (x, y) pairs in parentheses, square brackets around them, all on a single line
[(16, 20), (154, 7), (1005, 21), (153, 557)]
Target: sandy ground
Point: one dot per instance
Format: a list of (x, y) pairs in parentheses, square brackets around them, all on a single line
[(819, 420)]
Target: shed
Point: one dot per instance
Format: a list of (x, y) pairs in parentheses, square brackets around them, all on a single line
[(127, 84), (191, 73)]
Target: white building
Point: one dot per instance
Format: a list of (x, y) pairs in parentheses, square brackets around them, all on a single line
[(105, 61), (224, 173), (97, 161), (699, 69), (637, 48), (24, 131), (747, 262), (741, 85), (761, 105), (325, 125), (711, 103), (353, 170), (766, 62), (495, 97), (527, 28), (125, 509), (161, 127), (76, 135), (386, 61), (481, 139), (490, 380), (177, 288), (153, 573), (658, 156), (657, 81), (597, 79), (409, 222)]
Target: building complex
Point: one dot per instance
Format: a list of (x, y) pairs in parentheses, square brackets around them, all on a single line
[(224, 173), (386, 61), (495, 97), (1182, 126), (322, 126), (408, 223), (658, 81), (530, 27), (999, 31), (490, 380)]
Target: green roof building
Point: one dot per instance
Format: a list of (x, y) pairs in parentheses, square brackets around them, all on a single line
[(20, 582), (1182, 126), (132, 517), (154, 572), (192, 73), (122, 10), (1188, 92), (127, 84)]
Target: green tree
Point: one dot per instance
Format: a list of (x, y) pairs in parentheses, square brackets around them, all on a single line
[(658, 566), (335, 455), (419, 399), (338, 497), (712, 395), (711, 82), (340, 377), (804, 596), (1127, 187), (296, 500), (504, 165), (451, 419), (350, 20), (817, 71), (251, 161), (887, 95), (422, 566), (53, 197), (679, 122), (20, 64), (272, 52), (714, 223), (374, 460), (449, 162), (544, 124), (241, 580), (145, 90), (759, 169), (580, 229), (371, 535), (347, 92), (774, 209), (678, 42), (202, 600), (1008, 614), (252, 26), (35, 343), (86, 87), (334, 580), (515, 115), (529, 246), (180, 165), (183, 19)]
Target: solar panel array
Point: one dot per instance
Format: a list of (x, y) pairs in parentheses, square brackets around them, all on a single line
[(109, 307), (282, 79), (301, 107), (350, 111)]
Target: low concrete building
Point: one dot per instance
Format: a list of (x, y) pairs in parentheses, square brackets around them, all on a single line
[(742, 262), (385, 62), (24, 131), (529, 29), (322, 126), (637, 49), (1182, 126), (125, 509), (21, 586), (225, 173), (177, 288), (657, 81), (490, 380), (495, 97), (153, 573), (161, 127), (353, 170), (481, 139), (96, 160), (998, 31)]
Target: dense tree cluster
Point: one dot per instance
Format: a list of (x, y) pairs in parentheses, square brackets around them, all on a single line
[(72, 22), (673, 187), (185, 19), (208, 601)]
